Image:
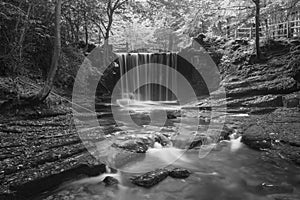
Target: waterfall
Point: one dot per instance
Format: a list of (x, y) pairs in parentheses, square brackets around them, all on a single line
[(158, 76)]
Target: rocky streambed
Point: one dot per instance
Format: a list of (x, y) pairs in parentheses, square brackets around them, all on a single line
[(45, 154)]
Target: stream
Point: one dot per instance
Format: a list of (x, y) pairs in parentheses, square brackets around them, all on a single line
[(229, 171)]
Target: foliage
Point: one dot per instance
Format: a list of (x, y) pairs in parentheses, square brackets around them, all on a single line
[(27, 28)]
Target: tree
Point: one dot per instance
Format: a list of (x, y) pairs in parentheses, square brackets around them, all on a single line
[(45, 91), (257, 28), (111, 7)]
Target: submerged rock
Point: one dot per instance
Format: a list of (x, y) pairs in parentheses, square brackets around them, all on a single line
[(151, 178), (110, 181), (266, 189), (123, 157), (179, 173), (198, 141), (284, 196)]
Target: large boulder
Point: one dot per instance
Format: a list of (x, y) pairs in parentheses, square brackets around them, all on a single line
[(255, 137)]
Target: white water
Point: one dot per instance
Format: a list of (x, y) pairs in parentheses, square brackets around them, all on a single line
[(131, 85), (236, 144), (159, 158), (144, 106), (98, 179)]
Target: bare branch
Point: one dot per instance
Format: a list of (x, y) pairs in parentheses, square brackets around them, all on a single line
[(118, 4), (12, 6), (5, 16)]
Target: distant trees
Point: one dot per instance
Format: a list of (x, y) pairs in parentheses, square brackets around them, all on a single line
[(83, 16)]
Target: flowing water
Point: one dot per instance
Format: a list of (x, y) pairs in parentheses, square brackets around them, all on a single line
[(151, 78), (229, 170)]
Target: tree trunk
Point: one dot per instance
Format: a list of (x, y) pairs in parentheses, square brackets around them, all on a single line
[(77, 33), (267, 29), (45, 91), (86, 33), (100, 37), (71, 27), (171, 42), (86, 36), (257, 26), (109, 25)]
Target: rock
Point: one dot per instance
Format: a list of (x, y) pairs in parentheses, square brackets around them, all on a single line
[(136, 146), (173, 114), (266, 189), (225, 133), (265, 101), (151, 178), (295, 42), (37, 185), (291, 100), (148, 140), (255, 101), (141, 118), (200, 38), (284, 196), (161, 139), (95, 169), (261, 111), (130, 150), (204, 120), (198, 141), (111, 170), (256, 138), (294, 179), (179, 173), (123, 157), (110, 181), (195, 143), (295, 48), (276, 131), (257, 81)]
